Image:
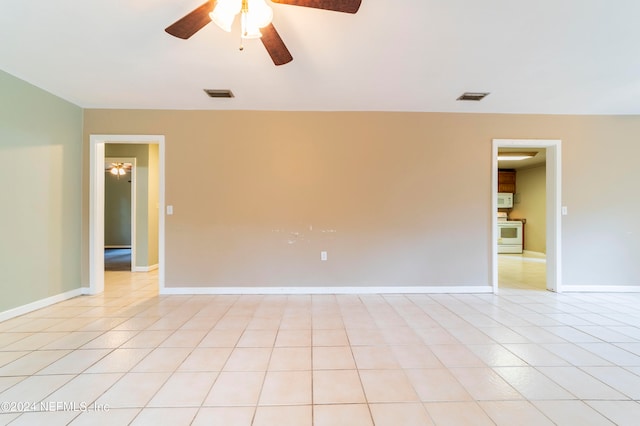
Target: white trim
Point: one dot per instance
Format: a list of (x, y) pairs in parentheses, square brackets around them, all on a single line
[(554, 201), (107, 246), (601, 288), (523, 258), (96, 207), (537, 254), (145, 268), (42, 303), (328, 290), (534, 260)]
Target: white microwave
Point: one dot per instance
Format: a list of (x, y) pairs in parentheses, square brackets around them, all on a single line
[(505, 200)]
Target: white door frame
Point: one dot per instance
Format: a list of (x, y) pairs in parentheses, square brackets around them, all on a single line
[(553, 200), (131, 160), (96, 203)]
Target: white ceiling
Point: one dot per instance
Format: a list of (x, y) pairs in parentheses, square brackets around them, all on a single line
[(543, 56), (538, 159)]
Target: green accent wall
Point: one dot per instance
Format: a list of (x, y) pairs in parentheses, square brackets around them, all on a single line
[(117, 209), (40, 194)]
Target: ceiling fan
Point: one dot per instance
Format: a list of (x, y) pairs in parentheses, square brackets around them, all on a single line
[(255, 20), (118, 169)]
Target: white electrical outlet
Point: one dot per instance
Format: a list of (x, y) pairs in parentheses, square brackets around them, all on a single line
[(169, 210), (323, 255)]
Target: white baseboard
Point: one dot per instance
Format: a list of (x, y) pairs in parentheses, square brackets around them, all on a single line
[(145, 268), (39, 304), (116, 247), (534, 256), (601, 288), (328, 290), (527, 256)]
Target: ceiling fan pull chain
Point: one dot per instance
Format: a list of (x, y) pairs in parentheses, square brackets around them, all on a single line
[(241, 46)]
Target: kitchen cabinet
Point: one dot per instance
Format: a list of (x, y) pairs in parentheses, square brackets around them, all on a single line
[(507, 180)]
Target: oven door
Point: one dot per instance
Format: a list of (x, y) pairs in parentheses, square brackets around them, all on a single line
[(510, 233)]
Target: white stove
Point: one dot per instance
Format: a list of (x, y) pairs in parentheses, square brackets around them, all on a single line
[(509, 234)]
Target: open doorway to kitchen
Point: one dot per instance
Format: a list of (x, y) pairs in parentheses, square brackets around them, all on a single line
[(522, 218), (516, 267), (102, 146)]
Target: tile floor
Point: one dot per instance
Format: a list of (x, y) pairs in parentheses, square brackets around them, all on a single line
[(526, 356)]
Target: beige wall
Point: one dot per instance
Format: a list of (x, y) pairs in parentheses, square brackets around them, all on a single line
[(40, 193), (394, 198), (531, 205)]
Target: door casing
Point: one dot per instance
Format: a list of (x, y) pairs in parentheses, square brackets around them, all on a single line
[(553, 207), (96, 204)]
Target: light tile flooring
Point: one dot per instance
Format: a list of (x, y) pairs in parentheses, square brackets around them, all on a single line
[(526, 356)]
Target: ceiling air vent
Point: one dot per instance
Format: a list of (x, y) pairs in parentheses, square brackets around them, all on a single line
[(472, 96), (219, 93)]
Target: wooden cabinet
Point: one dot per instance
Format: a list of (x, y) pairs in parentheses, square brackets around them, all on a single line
[(507, 180)]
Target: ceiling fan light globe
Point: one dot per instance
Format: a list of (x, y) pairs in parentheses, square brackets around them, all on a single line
[(260, 13), (249, 28), (114, 171), (251, 33), (230, 6), (225, 12), (222, 20)]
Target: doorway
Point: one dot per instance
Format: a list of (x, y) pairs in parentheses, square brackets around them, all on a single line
[(553, 202), (97, 203), (120, 213)]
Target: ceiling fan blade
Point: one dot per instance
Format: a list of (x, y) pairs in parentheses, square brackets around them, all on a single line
[(275, 46), (191, 23), (347, 6)]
